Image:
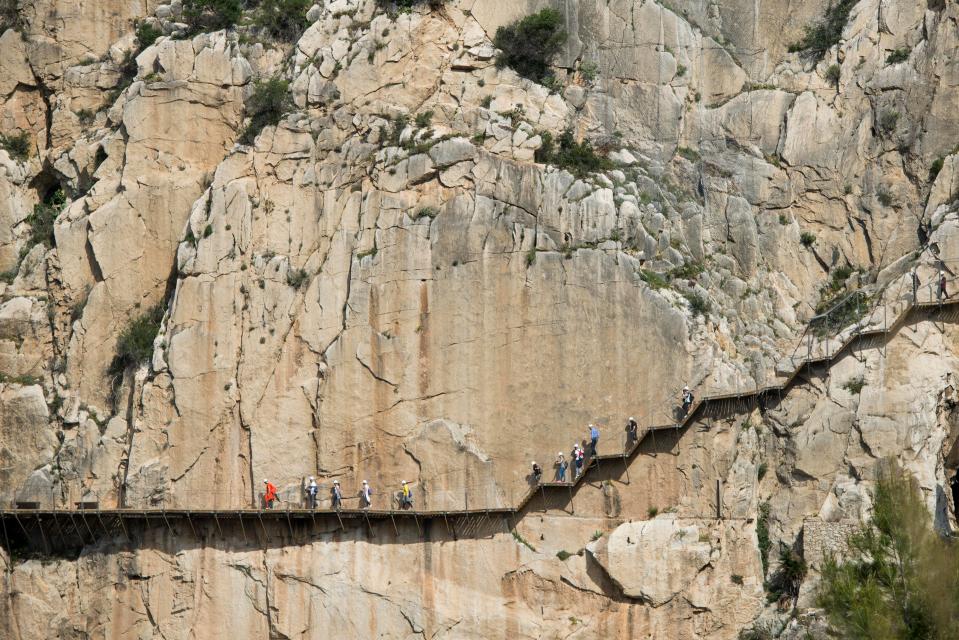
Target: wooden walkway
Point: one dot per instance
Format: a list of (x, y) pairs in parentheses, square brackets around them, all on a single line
[(93, 523)]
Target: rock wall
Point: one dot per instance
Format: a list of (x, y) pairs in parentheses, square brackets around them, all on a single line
[(387, 285)]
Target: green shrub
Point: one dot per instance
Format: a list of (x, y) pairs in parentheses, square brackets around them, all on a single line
[(10, 274), (762, 470), (807, 239), (404, 6), (762, 535), (531, 257), (653, 279), (854, 385), (652, 512), (578, 158), (898, 55), (24, 380), (885, 198), (397, 125), (687, 271), (690, 154), (698, 304), (736, 579), (147, 34), (369, 253), (265, 106), (283, 19), (554, 84), (42, 219), (426, 212), (888, 121), (935, 168), (17, 145), (589, 71), (833, 74), (899, 577), (136, 341), (790, 574), (296, 278), (9, 15), (842, 312), (827, 32), (211, 15), (423, 119), (839, 276), (563, 555), (528, 46), (520, 539), (597, 535), (761, 631), (85, 116)]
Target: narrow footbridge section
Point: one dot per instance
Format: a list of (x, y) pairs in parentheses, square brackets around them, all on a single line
[(55, 530)]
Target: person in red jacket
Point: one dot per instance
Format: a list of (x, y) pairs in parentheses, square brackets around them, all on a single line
[(270, 496)]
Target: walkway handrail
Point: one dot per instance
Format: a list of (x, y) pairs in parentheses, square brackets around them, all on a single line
[(672, 423)]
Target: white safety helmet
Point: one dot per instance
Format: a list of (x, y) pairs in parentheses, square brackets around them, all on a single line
[(365, 482), (403, 482), (560, 454), (264, 480), (632, 419), (336, 482)]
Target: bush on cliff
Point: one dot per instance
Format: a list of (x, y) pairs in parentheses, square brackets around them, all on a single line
[(17, 145), (826, 33), (136, 341), (529, 45), (283, 19), (211, 15), (578, 158), (900, 578), (44, 217), (265, 106), (404, 6)]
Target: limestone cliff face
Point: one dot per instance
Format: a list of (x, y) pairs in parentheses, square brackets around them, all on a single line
[(386, 285)]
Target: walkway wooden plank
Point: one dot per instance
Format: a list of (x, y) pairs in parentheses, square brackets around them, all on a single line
[(787, 381)]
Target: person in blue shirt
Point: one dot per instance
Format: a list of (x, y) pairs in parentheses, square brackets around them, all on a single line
[(593, 438), (561, 466), (336, 496)]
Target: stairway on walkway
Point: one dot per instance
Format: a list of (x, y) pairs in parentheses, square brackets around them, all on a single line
[(881, 320)]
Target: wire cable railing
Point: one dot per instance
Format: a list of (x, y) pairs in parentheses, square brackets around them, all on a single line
[(881, 317)]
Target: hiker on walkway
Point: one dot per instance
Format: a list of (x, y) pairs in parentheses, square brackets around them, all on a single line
[(632, 431), (311, 489), (915, 286), (336, 496), (269, 496), (578, 455), (537, 473), (593, 439), (941, 291), (406, 496), (561, 466), (687, 401), (366, 496)]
